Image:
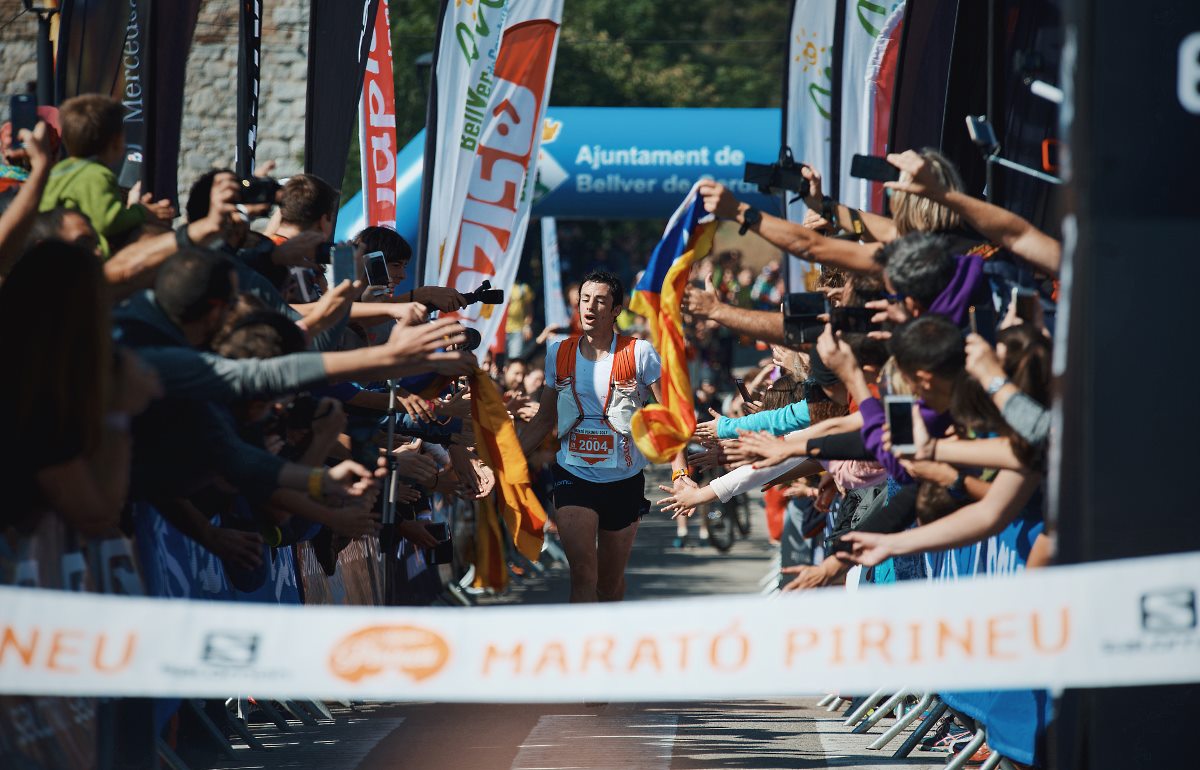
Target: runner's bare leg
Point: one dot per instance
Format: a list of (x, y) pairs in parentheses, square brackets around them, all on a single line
[(612, 554), (577, 533)]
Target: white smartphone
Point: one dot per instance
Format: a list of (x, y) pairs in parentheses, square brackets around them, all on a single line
[(376, 269), (900, 423)]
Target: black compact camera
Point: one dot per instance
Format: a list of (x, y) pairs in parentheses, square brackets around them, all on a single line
[(258, 189), (803, 317), (784, 174)]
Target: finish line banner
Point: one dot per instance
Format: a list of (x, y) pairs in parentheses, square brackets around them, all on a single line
[(1129, 622)]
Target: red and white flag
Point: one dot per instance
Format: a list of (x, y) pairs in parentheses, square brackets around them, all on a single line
[(377, 128)]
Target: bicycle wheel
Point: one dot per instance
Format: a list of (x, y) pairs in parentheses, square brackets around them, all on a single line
[(720, 529), (741, 514)]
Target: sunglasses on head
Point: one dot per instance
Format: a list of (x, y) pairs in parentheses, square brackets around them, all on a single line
[(813, 392)]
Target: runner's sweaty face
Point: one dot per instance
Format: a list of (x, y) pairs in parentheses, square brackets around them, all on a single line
[(596, 308)]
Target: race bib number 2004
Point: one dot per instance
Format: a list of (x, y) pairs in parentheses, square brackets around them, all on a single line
[(596, 448)]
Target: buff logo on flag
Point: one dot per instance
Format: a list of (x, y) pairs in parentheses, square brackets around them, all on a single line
[(377, 128), (482, 183), (661, 430)]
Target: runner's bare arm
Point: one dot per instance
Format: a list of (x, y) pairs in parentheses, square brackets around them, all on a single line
[(534, 432)]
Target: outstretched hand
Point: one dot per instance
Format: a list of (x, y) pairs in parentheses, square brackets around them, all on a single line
[(707, 431), (916, 175), (869, 548), (770, 450), (718, 200), (681, 501), (701, 303)]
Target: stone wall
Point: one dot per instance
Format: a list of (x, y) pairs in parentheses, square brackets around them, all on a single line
[(210, 110), (18, 51)]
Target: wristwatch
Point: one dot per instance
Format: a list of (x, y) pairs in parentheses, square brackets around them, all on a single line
[(996, 384), (678, 474), (750, 217)]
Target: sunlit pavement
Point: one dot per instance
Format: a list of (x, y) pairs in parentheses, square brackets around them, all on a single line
[(790, 733)]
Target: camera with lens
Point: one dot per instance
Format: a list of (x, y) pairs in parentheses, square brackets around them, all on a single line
[(485, 294), (772, 178), (473, 341), (259, 189)]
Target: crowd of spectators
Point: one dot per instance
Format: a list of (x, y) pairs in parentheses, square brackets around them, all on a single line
[(200, 374), (960, 344)]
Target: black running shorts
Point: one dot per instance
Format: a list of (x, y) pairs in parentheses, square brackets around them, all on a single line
[(617, 503)]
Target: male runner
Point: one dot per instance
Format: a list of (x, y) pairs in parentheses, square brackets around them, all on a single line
[(594, 383)]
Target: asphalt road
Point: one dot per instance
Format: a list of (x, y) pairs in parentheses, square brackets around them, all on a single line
[(790, 733)]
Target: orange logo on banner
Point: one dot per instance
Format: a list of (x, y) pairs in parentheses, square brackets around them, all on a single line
[(416, 652)]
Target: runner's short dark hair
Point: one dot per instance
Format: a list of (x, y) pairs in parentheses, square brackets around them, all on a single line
[(609, 280)]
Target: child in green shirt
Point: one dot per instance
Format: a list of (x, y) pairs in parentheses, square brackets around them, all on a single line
[(93, 133)]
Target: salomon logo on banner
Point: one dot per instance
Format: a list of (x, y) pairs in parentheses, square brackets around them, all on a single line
[(1169, 610), (230, 648)]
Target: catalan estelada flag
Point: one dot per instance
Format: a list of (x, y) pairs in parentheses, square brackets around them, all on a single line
[(661, 430)]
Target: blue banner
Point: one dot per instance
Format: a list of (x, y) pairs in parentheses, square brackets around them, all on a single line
[(616, 163)]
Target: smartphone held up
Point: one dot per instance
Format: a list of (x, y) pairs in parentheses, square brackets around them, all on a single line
[(23, 112), (900, 423)]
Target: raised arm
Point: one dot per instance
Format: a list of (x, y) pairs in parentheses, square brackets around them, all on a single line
[(791, 237), (874, 227), (534, 432), (1008, 494), (996, 224), (704, 304), (18, 217)]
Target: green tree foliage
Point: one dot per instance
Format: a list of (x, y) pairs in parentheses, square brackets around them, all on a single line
[(622, 53)]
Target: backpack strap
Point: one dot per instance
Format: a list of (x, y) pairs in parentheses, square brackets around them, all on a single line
[(564, 361), (564, 373), (625, 363), (624, 368)]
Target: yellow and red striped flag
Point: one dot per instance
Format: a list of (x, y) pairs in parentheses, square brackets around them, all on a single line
[(661, 430), (516, 504)]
